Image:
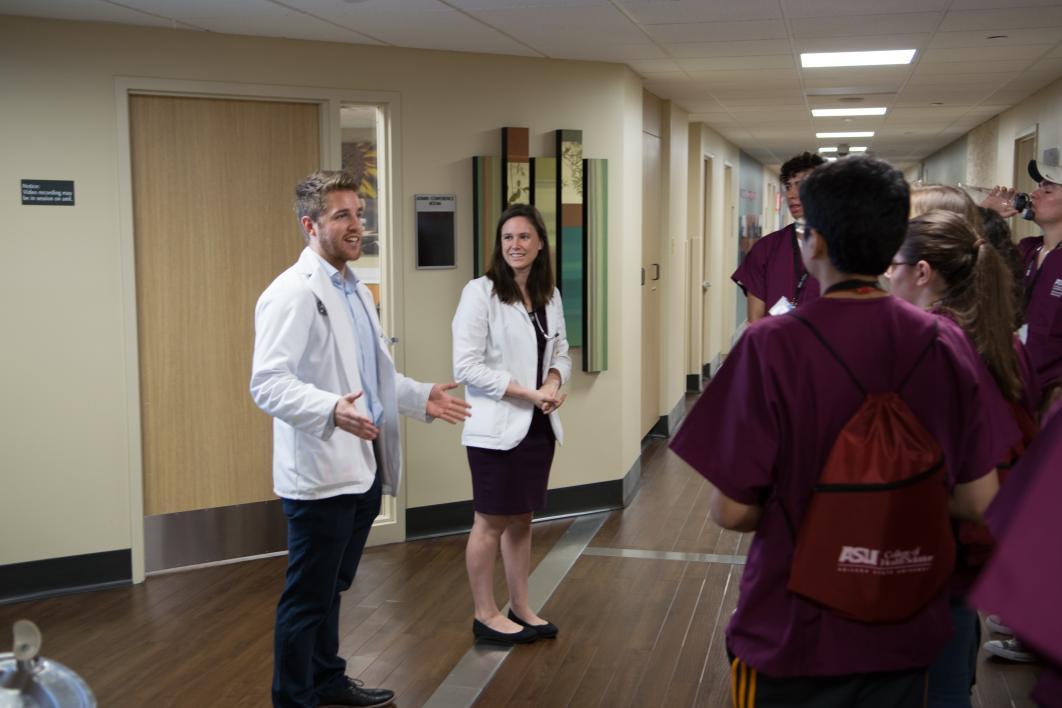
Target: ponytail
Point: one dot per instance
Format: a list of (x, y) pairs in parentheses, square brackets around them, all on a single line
[(978, 289)]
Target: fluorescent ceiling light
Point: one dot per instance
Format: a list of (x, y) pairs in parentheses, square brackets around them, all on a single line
[(810, 60), (855, 134), (854, 148), (827, 112), (828, 149)]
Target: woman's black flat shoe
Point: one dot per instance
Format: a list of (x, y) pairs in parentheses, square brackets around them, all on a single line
[(485, 634), (545, 631)]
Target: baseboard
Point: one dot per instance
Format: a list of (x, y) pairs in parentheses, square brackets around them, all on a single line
[(210, 535), (456, 517), (675, 416), (34, 580)]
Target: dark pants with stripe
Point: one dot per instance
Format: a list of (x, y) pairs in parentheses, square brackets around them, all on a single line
[(892, 689), (325, 541)]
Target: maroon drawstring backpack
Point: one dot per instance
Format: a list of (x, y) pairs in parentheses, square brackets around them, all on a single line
[(876, 543)]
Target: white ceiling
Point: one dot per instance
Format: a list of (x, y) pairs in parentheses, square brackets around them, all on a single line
[(733, 64)]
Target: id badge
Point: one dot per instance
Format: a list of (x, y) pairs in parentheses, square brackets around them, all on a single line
[(781, 307)]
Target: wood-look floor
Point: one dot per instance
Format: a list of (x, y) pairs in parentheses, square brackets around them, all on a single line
[(634, 632)]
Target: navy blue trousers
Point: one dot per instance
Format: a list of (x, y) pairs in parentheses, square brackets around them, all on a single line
[(325, 541)]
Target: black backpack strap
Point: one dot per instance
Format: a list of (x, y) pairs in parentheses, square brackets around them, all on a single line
[(932, 341), (834, 354)]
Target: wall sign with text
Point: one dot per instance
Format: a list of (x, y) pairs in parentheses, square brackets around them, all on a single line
[(435, 231), (48, 192)]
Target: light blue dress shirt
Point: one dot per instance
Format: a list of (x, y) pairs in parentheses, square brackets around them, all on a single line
[(347, 283)]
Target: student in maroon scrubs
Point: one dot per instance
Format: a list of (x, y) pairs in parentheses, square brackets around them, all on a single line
[(763, 429), (945, 267), (772, 269), (1023, 581), (1042, 263), (1042, 256)]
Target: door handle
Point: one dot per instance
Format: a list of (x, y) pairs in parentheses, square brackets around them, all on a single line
[(705, 285), (656, 274)]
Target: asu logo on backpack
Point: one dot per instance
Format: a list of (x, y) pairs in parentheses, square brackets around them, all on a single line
[(876, 544)]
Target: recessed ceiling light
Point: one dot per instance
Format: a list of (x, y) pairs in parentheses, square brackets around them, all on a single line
[(828, 149), (827, 112), (853, 148), (812, 60), (854, 134)]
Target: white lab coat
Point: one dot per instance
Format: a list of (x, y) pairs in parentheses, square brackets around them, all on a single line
[(494, 344), (305, 360)]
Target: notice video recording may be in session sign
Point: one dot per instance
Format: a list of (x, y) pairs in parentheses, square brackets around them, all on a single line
[(48, 192)]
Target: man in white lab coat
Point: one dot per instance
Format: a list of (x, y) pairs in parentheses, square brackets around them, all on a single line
[(322, 369)]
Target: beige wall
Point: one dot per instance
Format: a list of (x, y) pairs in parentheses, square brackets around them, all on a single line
[(674, 240), (985, 155), (722, 246), (1043, 112), (66, 430)]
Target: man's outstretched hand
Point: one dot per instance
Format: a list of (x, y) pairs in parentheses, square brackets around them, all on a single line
[(443, 405)]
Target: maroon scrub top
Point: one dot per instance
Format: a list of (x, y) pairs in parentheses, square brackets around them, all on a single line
[(772, 269), (1023, 581), (763, 429), (1043, 309)]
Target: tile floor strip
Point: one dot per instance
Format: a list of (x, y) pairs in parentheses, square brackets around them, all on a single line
[(476, 668), (664, 555)]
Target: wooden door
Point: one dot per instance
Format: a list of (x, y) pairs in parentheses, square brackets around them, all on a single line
[(212, 198), (1024, 150)]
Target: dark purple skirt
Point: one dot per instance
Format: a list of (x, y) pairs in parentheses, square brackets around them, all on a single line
[(510, 482)]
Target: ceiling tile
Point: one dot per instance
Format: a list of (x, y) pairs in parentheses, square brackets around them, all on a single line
[(946, 79), (970, 67), (597, 25), (865, 42), (979, 38), (501, 4), (593, 52), (987, 53), (774, 61), (990, 4), (835, 8), (699, 50), (855, 27), (292, 25), (652, 12), (721, 31), (1003, 18)]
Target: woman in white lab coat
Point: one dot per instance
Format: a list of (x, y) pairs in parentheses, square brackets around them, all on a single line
[(511, 352)]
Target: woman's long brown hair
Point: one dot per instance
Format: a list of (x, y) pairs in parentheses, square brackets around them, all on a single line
[(540, 282), (977, 289)]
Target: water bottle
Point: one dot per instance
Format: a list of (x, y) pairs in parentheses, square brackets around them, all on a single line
[(1021, 201)]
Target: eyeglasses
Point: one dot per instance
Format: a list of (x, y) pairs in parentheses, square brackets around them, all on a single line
[(896, 264)]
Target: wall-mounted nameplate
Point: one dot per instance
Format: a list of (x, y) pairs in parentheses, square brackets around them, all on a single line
[(435, 231), (48, 192)]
